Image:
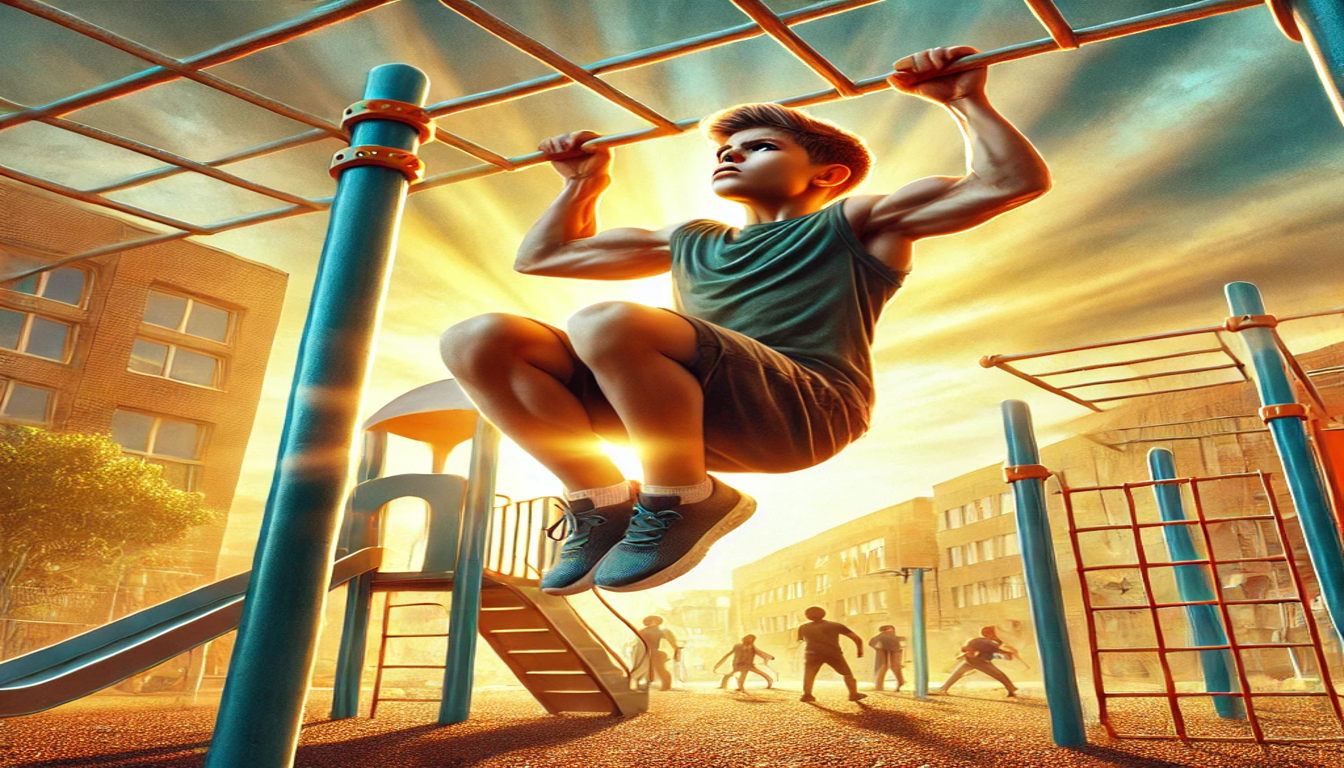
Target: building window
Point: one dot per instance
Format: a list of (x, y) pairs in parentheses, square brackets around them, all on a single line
[(1013, 587), (973, 553), (873, 555), (64, 284), (173, 362), (174, 445), (822, 561), (35, 335), (795, 590), (1007, 503), (958, 597), (954, 557), (823, 582), (952, 518), (24, 403), (188, 316)]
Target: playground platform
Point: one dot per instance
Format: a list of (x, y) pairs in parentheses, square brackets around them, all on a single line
[(696, 726)]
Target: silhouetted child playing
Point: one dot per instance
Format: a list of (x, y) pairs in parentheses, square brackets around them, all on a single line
[(823, 650), (765, 366), (888, 656), (978, 654), (744, 660)]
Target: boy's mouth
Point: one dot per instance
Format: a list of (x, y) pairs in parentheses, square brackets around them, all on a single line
[(724, 169)]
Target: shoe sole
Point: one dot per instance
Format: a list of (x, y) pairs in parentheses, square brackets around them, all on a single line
[(746, 506), (584, 584)]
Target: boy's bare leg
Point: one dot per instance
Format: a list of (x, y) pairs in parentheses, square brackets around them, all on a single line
[(641, 356), (514, 370)]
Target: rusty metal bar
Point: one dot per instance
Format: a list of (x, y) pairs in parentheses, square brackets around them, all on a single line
[(548, 56), (1054, 22), (169, 68), (776, 28), (1158, 375), (1118, 363), (161, 155)]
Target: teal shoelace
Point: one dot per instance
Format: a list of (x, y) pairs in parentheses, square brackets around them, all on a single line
[(574, 530), (647, 528)]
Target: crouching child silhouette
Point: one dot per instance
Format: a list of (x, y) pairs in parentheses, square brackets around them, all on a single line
[(765, 364)]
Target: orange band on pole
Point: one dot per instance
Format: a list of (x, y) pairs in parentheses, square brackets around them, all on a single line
[(1284, 411), (1241, 322), (371, 154), (1283, 16), (1025, 472), (387, 109)]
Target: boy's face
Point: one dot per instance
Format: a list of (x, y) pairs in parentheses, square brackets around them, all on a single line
[(762, 165)]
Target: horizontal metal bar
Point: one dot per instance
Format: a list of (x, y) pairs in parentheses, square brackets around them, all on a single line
[(1158, 375), (786, 37), (380, 700), (1165, 523), (1225, 647), (1054, 22), (1173, 438), (1174, 563), (412, 666), (1189, 694), (1136, 361), (1172, 481), (85, 197), (1149, 606), (548, 56), (169, 68), (1160, 392), (260, 150), (433, 634)]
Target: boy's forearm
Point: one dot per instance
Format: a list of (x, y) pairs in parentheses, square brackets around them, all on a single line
[(997, 152), (571, 216)]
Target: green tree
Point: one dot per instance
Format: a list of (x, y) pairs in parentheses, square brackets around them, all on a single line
[(73, 505)]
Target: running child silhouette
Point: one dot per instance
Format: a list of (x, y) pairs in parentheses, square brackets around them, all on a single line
[(765, 366)]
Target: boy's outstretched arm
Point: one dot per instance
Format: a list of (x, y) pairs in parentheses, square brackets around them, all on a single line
[(565, 241), (1004, 169)]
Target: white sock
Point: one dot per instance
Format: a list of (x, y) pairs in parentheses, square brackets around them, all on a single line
[(603, 497), (689, 494)]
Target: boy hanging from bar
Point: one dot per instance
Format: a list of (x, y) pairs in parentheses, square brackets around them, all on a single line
[(765, 366)]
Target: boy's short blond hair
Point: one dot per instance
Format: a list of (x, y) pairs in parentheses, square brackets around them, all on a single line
[(824, 141)]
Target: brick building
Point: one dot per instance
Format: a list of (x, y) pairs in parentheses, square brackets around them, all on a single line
[(163, 347)]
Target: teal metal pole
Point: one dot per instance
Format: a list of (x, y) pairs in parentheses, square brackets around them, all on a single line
[(1193, 586), (1321, 23), (919, 640), (360, 531), (262, 705), (1305, 484), (1042, 575), (464, 613)]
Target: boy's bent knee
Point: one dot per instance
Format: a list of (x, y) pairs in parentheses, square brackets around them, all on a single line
[(489, 337)]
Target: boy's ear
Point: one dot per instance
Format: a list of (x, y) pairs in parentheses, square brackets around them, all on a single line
[(832, 176)]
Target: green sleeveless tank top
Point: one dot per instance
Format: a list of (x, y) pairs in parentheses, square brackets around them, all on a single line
[(804, 287)]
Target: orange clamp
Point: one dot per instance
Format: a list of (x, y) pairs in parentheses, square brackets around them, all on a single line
[(371, 154), (1025, 472), (388, 109), (1284, 411), (1241, 322)]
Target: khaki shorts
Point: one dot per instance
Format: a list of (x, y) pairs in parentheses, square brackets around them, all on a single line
[(764, 412)]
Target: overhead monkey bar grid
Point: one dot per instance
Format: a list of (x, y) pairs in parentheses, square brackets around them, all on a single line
[(1324, 37)]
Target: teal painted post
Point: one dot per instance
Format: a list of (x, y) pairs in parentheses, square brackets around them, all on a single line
[(1321, 23), (1305, 484), (262, 706), (1042, 576), (919, 639), (1193, 586), (464, 613)]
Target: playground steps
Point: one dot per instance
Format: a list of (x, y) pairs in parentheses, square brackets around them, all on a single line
[(554, 653)]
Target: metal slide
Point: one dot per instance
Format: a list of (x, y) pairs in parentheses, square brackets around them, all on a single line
[(101, 657)]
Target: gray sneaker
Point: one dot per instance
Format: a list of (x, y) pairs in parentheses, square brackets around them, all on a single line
[(666, 538), (588, 534)]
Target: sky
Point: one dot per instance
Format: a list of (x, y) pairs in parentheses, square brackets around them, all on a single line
[(1183, 159)]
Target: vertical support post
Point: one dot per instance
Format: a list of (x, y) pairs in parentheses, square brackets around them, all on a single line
[(1042, 575), (1305, 484), (1321, 24), (465, 610), (358, 534), (262, 705), (919, 639), (1193, 586)]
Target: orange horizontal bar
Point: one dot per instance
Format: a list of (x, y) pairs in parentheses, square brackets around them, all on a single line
[(1157, 375)]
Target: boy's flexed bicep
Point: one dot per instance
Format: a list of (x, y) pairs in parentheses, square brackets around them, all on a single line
[(624, 253), (933, 206)]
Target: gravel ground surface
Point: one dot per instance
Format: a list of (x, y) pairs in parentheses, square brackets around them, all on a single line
[(700, 726)]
